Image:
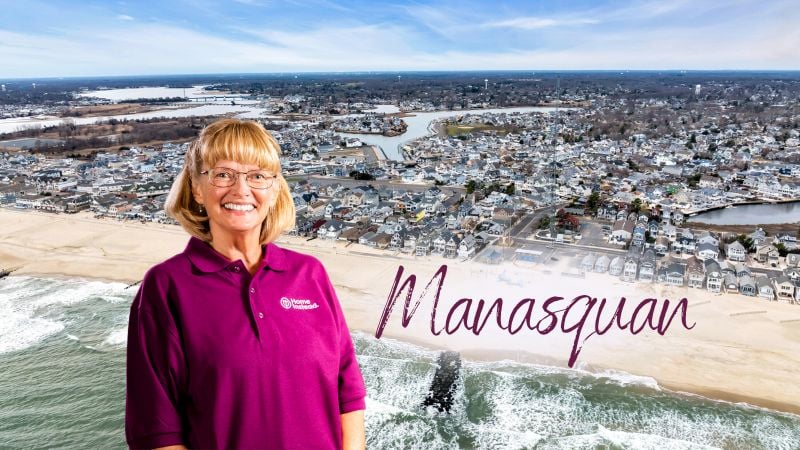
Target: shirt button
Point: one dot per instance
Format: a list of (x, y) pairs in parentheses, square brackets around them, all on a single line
[(260, 315), (236, 268), (252, 290)]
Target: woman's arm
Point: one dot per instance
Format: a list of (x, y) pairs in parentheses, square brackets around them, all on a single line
[(353, 436), (172, 447), (155, 370)]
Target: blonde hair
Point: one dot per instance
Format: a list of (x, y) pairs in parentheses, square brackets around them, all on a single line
[(233, 140)]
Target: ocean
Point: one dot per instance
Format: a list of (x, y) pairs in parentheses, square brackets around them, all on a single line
[(62, 380)]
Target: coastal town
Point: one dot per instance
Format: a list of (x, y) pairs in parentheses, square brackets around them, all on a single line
[(596, 184)]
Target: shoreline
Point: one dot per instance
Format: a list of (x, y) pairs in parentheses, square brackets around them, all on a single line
[(756, 365)]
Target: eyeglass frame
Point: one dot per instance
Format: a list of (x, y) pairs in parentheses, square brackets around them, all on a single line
[(238, 177)]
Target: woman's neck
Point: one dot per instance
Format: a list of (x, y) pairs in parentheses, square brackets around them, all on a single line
[(245, 247)]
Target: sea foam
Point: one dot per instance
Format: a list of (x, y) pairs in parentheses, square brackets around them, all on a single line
[(33, 308)]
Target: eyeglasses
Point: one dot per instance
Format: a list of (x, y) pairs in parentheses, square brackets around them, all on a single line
[(224, 177)]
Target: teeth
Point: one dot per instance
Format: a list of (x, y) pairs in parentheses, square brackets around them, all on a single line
[(236, 207)]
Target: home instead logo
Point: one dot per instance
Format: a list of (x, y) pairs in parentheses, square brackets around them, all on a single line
[(296, 303), (554, 313)]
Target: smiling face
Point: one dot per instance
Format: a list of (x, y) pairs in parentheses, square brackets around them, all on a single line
[(236, 210)]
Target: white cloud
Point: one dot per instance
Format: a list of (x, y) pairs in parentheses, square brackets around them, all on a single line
[(125, 17), (137, 48), (535, 23)]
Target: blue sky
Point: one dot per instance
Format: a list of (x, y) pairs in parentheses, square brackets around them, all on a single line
[(94, 37)]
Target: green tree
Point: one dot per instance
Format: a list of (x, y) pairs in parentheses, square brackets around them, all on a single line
[(471, 186), (747, 242), (593, 202), (544, 222), (636, 205), (510, 189)]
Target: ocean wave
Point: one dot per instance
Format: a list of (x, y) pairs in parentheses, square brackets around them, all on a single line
[(35, 308), (604, 438), (117, 337), (506, 404), (19, 331), (627, 379)]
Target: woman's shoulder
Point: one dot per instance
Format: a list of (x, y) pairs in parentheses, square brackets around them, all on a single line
[(175, 266), (282, 258)]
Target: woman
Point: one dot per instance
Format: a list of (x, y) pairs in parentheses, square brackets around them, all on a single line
[(236, 342)]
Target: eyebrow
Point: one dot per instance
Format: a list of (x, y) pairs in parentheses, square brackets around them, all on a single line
[(246, 171)]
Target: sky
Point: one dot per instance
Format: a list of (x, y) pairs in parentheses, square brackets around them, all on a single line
[(61, 38)]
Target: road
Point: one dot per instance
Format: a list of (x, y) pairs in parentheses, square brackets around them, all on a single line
[(349, 182)]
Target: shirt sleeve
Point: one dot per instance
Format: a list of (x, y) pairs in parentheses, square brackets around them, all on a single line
[(155, 370), (352, 392)]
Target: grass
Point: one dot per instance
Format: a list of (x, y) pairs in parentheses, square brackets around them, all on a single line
[(459, 130)]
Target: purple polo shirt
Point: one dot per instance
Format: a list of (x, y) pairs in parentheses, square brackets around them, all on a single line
[(218, 358)]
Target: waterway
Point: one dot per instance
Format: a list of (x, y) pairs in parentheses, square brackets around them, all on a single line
[(239, 110), (147, 92), (419, 123), (752, 214)]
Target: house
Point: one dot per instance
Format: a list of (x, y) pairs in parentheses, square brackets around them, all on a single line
[(767, 254), (686, 242), (602, 263), (423, 246), (382, 240), (707, 250), (674, 274), (735, 251), (398, 240), (787, 239), (330, 230), (467, 247), (439, 243), (483, 238), (638, 235), (367, 238), (622, 230), (793, 273), (764, 287), (730, 283), (706, 237), (410, 243), (741, 270), (696, 272), (759, 236), (352, 234), (617, 266), (747, 286), (451, 247), (661, 246), (670, 232), (784, 288), (355, 199), (630, 268), (587, 263), (714, 276), (647, 266), (793, 260), (302, 226), (502, 213)]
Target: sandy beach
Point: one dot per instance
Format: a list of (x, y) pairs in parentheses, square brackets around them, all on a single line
[(741, 349)]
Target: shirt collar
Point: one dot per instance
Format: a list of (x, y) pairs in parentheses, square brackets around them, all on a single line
[(206, 259)]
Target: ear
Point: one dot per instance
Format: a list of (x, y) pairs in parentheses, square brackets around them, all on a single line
[(197, 193)]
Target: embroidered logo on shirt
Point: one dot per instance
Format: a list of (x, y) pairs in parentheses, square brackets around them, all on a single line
[(296, 303)]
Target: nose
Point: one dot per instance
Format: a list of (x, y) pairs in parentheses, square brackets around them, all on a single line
[(240, 185)]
